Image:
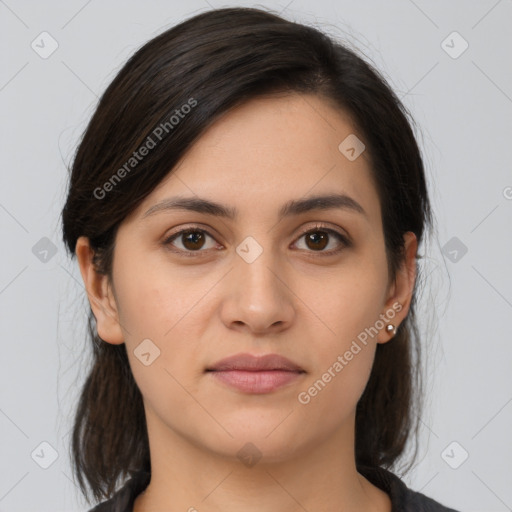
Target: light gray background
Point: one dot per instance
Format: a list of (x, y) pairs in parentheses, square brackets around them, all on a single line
[(463, 107)]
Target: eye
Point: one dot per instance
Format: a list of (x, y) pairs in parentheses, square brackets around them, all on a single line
[(193, 240), (320, 236)]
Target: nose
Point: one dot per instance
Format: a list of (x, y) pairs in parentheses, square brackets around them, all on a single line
[(257, 297)]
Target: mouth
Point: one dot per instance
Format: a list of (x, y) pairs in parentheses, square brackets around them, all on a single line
[(256, 382), (256, 374)]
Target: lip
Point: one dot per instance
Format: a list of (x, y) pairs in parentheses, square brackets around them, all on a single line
[(256, 374), (248, 362)]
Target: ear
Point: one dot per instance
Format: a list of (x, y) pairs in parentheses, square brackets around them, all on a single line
[(101, 297), (400, 295)]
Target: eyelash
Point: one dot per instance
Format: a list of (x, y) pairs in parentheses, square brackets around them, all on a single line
[(193, 229)]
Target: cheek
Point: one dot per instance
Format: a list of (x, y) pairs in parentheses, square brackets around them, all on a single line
[(349, 305), (332, 392), (155, 299), (161, 316), (349, 301)]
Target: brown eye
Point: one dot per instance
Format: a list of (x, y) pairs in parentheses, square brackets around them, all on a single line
[(317, 240), (191, 240), (194, 240)]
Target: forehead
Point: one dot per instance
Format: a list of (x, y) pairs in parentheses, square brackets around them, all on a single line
[(271, 150)]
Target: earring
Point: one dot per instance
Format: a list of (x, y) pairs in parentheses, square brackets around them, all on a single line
[(390, 328)]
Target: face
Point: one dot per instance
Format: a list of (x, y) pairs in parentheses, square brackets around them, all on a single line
[(309, 284)]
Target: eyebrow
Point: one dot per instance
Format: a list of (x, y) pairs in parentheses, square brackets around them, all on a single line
[(293, 207)]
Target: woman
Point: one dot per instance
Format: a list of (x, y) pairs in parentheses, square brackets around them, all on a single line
[(246, 207)]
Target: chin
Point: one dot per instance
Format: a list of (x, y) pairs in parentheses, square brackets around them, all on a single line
[(261, 443)]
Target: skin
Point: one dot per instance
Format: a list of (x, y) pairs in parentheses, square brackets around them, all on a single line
[(292, 300)]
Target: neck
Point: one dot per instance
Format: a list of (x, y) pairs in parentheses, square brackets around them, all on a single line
[(185, 476)]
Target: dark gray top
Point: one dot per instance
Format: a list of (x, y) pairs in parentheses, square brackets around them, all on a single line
[(402, 498)]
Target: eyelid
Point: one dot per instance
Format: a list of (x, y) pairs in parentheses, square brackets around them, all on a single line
[(192, 227), (344, 239), (325, 227)]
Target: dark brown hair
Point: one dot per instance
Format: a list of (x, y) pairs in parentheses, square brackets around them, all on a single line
[(215, 61)]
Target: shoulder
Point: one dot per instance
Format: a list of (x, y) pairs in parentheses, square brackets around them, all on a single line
[(402, 498), (124, 498)]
